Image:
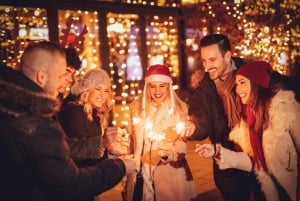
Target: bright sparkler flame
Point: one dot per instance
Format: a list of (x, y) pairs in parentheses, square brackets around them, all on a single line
[(156, 136), (148, 126), (160, 135), (136, 120), (179, 127)]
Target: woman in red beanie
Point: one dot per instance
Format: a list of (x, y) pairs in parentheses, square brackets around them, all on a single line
[(268, 134), (159, 123)]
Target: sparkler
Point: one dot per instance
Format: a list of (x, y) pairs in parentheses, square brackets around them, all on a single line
[(158, 135)]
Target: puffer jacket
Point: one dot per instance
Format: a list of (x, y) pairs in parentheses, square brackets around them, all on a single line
[(35, 158)]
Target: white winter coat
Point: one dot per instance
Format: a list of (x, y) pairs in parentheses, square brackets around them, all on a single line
[(281, 145)]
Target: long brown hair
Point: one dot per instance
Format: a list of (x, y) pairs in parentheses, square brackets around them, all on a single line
[(259, 103)]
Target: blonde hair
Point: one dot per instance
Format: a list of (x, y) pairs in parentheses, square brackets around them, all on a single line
[(180, 107), (102, 112), (82, 89)]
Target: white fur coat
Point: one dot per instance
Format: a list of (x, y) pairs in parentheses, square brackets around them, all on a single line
[(281, 144)]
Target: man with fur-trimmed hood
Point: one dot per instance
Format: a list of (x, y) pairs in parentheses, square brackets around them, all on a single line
[(35, 158)]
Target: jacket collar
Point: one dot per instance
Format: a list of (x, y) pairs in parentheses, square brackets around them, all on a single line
[(19, 95)]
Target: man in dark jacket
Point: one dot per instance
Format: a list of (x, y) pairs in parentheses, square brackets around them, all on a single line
[(35, 158), (214, 112), (212, 109)]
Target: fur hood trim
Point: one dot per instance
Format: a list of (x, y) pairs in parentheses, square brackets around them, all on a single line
[(196, 78), (267, 185), (17, 100)]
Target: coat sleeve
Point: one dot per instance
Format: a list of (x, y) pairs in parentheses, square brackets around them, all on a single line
[(295, 131), (57, 173), (206, 111), (285, 113), (74, 121), (294, 118), (200, 115)]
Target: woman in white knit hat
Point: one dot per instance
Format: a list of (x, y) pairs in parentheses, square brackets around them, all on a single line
[(85, 121), (159, 124)]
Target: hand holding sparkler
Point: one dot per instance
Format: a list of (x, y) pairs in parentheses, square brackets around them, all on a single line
[(186, 128)]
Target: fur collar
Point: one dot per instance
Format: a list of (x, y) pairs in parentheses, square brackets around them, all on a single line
[(19, 95)]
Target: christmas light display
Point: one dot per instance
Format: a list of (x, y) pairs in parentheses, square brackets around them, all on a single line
[(267, 30)]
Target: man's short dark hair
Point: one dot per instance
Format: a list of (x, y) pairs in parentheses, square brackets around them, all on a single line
[(48, 46), (44, 44), (73, 59), (220, 39)]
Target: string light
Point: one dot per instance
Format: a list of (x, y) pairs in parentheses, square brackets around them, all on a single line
[(251, 36), (257, 31)]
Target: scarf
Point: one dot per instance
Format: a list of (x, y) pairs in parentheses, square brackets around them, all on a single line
[(225, 88), (255, 140)]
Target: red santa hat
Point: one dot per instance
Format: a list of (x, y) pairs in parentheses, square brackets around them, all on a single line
[(258, 72), (158, 73)]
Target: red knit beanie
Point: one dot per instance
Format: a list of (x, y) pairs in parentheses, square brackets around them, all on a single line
[(258, 72)]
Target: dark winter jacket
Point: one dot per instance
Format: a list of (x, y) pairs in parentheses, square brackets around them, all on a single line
[(206, 110), (35, 158), (83, 135)]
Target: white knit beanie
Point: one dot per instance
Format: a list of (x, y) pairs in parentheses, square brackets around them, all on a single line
[(91, 79)]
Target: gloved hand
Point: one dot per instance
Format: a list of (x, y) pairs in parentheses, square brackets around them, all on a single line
[(232, 159)]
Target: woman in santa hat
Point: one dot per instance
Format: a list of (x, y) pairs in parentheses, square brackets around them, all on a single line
[(159, 125), (268, 135)]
